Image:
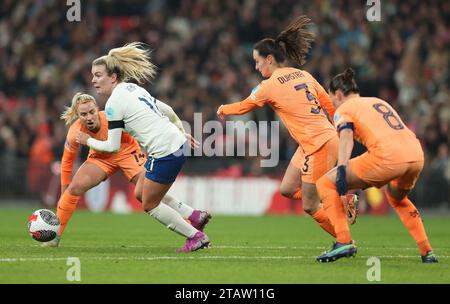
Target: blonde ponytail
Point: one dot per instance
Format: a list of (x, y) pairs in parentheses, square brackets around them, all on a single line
[(70, 114), (131, 61)]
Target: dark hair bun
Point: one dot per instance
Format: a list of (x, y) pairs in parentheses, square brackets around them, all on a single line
[(344, 82), (349, 74)]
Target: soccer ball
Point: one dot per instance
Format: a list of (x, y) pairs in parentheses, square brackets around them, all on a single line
[(43, 225)]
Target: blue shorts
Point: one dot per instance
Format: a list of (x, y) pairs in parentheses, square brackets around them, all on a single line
[(164, 170)]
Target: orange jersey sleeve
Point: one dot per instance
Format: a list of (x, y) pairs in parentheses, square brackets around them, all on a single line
[(257, 98), (69, 154), (378, 126), (298, 99)]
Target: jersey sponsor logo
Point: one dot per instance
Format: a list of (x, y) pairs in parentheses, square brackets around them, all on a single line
[(109, 112), (414, 213), (254, 91), (336, 118)]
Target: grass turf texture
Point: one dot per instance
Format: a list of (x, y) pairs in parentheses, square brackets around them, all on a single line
[(271, 249)]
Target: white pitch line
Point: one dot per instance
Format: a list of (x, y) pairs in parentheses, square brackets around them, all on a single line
[(317, 247), (219, 247), (150, 258), (251, 247), (153, 258)]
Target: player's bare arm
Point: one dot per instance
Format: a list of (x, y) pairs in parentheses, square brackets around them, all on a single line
[(345, 146), (345, 150)]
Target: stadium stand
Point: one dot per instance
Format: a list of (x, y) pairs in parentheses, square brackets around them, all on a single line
[(203, 52)]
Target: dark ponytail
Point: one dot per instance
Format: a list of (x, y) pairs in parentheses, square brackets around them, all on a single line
[(292, 44), (344, 82)]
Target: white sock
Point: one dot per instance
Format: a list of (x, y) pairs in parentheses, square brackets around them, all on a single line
[(172, 220), (181, 208)]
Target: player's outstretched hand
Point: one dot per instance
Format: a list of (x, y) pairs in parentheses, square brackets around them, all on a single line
[(193, 143), (82, 138), (220, 114)]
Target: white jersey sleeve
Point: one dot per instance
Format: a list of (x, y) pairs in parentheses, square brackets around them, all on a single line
[(170, 113), (114, 114), (112, 144), (114, 110)]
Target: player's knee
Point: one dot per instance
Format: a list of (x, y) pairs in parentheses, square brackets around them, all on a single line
[(310, 209), (76, 189), (287, 191), (310, 205), (138, 194), (396, 194), (149, 205), (311, 201), (138, 197)]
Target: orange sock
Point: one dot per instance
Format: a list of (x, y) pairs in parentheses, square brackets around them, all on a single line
[(66, 206), (297, 195), (412, 221), (334, 208), (322, 219)]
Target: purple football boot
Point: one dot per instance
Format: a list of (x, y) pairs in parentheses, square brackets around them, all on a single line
[(198, 241)]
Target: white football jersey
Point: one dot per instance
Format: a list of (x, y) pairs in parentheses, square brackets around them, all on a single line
[(136, 108)]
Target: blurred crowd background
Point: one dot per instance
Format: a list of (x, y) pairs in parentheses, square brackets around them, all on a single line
[(203, 49)]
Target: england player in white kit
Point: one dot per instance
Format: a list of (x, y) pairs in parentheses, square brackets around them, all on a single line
[(155, 127)]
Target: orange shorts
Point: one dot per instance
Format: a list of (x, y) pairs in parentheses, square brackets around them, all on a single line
[(317, 164), (129, 162), (375, 173)]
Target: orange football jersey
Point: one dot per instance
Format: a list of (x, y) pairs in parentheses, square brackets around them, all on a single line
[(299, 100), (378, 127)]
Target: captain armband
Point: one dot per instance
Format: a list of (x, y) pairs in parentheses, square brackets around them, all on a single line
[(346, 125), (115, 124)]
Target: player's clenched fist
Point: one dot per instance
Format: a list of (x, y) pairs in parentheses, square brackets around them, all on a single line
[(82, 138), (220, 112)]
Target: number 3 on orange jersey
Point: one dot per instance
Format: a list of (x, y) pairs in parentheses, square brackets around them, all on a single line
[(309, 96)]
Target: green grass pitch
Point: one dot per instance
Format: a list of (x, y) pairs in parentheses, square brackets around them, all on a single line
[(269, 249)]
